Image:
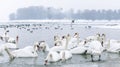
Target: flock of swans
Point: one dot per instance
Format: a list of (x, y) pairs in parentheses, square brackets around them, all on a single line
[(64, 47)]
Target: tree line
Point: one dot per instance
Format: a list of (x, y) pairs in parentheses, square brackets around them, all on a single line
[(39, 12)]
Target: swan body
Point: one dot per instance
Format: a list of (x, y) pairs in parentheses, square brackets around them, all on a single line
[(28, 51), (114, 46), (95, 49), (95, 46), (10, 45), (11, 40), (78, 50), (52, 56), (59, 48), (25, 52), (65, 55), (72, 43)]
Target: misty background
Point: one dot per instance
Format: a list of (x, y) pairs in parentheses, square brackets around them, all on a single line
[(40, 12)]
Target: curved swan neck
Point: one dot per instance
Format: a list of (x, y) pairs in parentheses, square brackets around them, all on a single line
[(66, 45), (35, 47), (9, 53)]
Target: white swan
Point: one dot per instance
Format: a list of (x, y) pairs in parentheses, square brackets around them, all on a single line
[(59, 48), (9, 39), (79, 49), (57, 40), (52, 56), (112, 46), (10, 45), (43, 46), (73, 42), (95, 48), (7, 45), (65, 55), (29, 51)]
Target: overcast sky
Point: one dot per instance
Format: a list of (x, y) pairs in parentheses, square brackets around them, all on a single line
[(9, 6)]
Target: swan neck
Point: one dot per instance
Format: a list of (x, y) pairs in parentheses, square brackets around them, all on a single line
[(9, 53), (66, 43)]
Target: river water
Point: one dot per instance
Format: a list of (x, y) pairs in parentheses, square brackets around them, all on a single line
[(46, 31)]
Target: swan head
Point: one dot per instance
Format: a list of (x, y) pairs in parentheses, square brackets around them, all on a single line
[(76, 35), (36, 47), (63, 37), (103, 35), (41, 45)]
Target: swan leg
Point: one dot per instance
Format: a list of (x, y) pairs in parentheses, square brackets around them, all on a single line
[(92, 58), (99, 58)]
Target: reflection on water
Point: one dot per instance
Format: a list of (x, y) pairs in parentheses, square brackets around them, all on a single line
[(29, 34)]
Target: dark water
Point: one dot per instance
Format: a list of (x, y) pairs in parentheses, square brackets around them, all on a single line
[(35, 32)]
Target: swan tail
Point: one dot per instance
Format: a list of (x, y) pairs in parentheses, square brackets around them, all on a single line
[(9, 53)]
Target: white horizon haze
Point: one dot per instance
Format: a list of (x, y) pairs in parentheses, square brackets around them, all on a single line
[(11, 6)]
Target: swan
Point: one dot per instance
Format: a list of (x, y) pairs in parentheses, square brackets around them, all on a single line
[(9, 39), (57, 41), (79, 49), (52, 56), (43, 46), (65, 55), (13, 40), (112, 46), (29, 51), (94, 48), (59, 48), (10, 45), (5, 37), (74, 41)]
